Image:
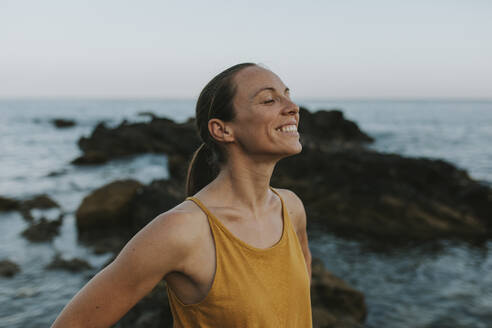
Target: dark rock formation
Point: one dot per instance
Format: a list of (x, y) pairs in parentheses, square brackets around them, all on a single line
[(153, 199), (386, 195), (8, 268), (63, 123), (345, 188), (43, 230), (334, 303), (107, 209), (9, 204), (149, 114), (72, 265), (40, 201), (161, 135), (91, 157), (25, 206), (329, 129), (121, 208)]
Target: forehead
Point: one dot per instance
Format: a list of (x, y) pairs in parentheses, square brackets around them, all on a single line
[(251, 79)]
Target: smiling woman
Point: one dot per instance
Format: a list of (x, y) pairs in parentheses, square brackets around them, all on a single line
[(235, 252)]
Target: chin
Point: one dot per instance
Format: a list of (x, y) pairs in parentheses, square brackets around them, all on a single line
[(293, 151)]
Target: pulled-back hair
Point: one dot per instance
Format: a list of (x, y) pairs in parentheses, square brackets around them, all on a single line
[(215, 101)]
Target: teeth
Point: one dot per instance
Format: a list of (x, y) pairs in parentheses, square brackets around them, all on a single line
[(287, 128)]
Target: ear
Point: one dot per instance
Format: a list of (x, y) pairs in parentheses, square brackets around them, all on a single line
[(220, 131)]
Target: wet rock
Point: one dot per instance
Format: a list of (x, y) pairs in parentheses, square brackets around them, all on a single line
[(161, 135), (9, 204), (178, 167), (107, 209), (91, 157), (37, 202), (386, 196), (153, 199), (334, 302), (62, 123), (40, 201), (56, 173), (112, 214), (72, 265), (8, 268), (43, 230), (329, 128), (147, 113)]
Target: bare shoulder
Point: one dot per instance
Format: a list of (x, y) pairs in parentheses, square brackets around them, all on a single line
[(295, 208), (184, 223), (171, 236)]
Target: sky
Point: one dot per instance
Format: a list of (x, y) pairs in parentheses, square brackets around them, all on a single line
[(320, 49)]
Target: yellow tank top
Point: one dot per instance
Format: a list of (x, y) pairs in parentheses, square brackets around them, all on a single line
[(252, 287)]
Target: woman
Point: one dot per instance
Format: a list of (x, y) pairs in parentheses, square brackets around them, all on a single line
[(235, 254)]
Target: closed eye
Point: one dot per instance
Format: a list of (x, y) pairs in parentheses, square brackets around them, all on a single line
[(269, 101)]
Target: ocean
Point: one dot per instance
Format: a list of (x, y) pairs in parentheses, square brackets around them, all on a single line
[(438, 284)]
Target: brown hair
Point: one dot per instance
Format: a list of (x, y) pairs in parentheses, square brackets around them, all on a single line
[(215, 101)]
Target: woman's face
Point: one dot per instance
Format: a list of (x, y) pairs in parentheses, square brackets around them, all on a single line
[(263, 111)]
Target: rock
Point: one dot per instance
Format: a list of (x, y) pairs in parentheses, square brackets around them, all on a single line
[(178, 167), (329, 129), (107, 209), (57, 173), (24, 206), (161, 135), (72, 265), (42, 231), (153, 199), (8, 268), (112, 214), (334, 302), (386, 197), (62, 123), (9, 204), (91, 157), (149, 114), (40, 201)]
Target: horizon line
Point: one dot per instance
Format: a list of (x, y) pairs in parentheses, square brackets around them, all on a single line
[(296, 99)]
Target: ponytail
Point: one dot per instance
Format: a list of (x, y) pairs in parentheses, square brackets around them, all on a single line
[(201, 170)]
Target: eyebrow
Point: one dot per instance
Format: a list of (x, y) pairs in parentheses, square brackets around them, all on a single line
[(267, 88)]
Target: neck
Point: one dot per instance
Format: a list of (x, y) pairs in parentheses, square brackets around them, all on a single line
[(244, 184)]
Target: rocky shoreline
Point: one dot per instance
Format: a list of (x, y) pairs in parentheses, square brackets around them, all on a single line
[(346, 188)]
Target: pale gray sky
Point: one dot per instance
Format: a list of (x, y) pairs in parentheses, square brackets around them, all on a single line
[(321, 49)]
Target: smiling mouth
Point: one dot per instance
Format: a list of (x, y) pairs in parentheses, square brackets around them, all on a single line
[(288, 130)]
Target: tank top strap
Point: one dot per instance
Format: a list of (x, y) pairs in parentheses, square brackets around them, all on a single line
[(284, 208), (200, 204), (213, 218)]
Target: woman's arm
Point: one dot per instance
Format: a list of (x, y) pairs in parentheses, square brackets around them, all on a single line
[(159, 248)]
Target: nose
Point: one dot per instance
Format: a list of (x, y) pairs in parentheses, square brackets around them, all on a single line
[(291, 107)]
